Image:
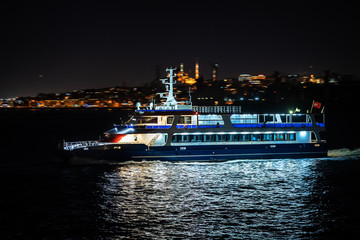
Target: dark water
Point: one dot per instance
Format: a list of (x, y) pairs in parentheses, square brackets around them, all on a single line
[(264, 199)]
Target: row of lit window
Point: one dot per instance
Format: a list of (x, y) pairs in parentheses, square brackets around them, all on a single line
[(234, 137), (212, 119)]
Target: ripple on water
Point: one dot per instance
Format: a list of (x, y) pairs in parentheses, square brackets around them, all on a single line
[(260, 198)]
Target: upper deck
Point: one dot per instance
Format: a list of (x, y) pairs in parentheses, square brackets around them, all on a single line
[(192, 110), (194, 120)]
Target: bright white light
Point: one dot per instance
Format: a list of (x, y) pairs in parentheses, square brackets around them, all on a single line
[(302, 133), (124, 131)]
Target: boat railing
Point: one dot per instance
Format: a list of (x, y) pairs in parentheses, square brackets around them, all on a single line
[(274, 125), (217, 109), (69, 146)]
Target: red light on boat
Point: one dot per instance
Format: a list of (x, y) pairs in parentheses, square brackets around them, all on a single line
[(113, 138), (117, 137)]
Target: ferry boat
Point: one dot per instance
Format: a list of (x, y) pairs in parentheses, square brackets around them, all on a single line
[(179, 131)]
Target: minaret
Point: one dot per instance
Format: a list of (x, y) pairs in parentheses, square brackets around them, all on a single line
[(181, 73), (215, 67), (197, 70)]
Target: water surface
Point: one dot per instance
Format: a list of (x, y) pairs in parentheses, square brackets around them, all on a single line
[(262, 199)]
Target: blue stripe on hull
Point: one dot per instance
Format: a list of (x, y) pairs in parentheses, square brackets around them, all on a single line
[(204, 153)]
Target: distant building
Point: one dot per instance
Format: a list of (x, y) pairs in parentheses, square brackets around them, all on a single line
[(257, 79), (248, 78), (215, 68), (313, 79), (244, 77), (183, 77)]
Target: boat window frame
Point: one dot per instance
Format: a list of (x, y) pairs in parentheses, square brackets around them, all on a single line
[(151, 121), (210, 119), (235, 137), (170, 118), (185, 120)]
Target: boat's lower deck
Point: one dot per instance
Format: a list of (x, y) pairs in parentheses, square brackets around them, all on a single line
[(140, 152)]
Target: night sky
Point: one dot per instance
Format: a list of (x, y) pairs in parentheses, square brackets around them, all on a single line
[(59, 46)]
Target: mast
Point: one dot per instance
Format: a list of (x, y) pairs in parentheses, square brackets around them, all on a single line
[(169, 86), (171, 103), (170, 97)]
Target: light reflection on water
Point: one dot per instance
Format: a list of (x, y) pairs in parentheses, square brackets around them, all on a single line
[(239, 199)]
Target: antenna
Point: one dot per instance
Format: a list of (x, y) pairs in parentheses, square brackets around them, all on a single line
[(189, 94), (169, 87), (171, 103)]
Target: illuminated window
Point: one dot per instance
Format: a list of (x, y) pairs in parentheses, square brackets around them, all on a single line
[(211, 119), (290, 137), (185, 120), (222, 137), (243, 118), (148, 120)]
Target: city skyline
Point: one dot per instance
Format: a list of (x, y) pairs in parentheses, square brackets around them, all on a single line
[(61, 46), (188, 76), (274, 88)]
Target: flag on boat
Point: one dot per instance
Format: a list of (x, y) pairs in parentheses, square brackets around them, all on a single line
[(316, 104)]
